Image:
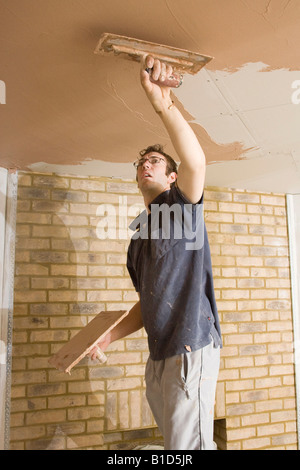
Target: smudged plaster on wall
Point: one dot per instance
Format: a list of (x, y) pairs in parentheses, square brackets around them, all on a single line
[(71, 111)]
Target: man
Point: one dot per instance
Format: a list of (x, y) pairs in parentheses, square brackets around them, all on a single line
[(173, 276)]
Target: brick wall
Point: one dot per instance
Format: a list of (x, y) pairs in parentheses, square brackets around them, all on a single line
[(65, 274), (249, 243)]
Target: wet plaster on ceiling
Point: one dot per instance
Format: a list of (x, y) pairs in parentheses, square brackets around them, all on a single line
[(70, 111)]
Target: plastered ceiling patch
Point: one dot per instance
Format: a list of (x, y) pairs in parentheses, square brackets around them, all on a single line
[(89, 167), (251, 105), (67, 107)]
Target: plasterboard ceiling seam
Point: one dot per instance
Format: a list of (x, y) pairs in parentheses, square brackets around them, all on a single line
[(223, 92)]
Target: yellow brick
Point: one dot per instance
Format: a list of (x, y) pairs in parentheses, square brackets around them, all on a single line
[(241, 434), (30, 296), (32, 244), (235, 272), (248, 240), (34, 193), (232, 398), (273, 200), (69, 220), (68, 270), (251, 305), (27, 432), (46, 416), (259, 209), (262, 230), (282, 370), (130, 296), (78, 208), (71, 321), (283, 416), (217, 195), (210, 206), (241, 409), (50, 181), (246, 197), (263, 272), (88, 283), (87, 185), (70, 245), (31, 218), (24, 179), (238, 339), (240, 362), (285, 439), (251, 283), (252, 372), (246, 219), (31, 269), (84, 412), (121, 187), (100, 296), (86, 441), (235, 294), (47, 336), (104, 198), (66, 401), (235, 250), (106, 271), (270, 429), (275, 241), (66, 296), (267, 338), (49, 283), (49, 206), (29, 377), (102, 245), (268, 382), (63, 195), (264, 294), (46, 231), (254, 419), (49, 256), (232, 207), (217, 216), (256, 443), (233, 228)]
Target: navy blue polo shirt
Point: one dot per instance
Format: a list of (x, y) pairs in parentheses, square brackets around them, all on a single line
[(169, 263)]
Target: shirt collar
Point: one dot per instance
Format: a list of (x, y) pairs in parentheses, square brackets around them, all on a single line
[(143, 216), (160, 198)]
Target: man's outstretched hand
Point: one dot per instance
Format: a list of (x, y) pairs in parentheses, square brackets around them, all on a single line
[(157, 93)]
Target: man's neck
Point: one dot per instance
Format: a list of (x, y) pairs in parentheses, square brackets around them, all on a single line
[(151, 195)]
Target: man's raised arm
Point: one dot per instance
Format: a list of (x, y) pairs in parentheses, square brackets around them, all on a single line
[(191, 172)]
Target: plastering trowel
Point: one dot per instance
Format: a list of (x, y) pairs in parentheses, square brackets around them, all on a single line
[(86, 340), (181, 60)]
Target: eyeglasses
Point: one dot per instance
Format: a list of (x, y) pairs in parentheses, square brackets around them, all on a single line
[(153, 160)]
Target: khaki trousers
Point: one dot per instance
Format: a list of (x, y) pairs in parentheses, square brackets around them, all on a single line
[(181, 394)]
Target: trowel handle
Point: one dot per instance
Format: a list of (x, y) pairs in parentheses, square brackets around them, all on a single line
[(174, 81), (101, 356)]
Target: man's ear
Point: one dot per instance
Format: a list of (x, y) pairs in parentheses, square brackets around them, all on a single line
[(172, 177)]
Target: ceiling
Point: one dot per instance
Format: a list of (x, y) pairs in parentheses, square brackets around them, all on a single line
[(68, 110)]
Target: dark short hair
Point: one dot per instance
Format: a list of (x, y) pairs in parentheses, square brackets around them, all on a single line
[(171, 164)]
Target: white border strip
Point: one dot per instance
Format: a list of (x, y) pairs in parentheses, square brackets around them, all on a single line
[(3, 330), (8, 207), (293, 215)]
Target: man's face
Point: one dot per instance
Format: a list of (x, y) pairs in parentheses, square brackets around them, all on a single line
[(151, 173)]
